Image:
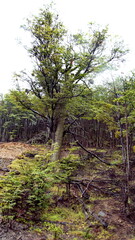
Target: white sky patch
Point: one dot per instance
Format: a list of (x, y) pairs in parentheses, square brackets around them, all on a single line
[(118, 14)]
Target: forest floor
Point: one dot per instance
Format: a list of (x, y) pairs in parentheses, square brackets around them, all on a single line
[(105, 202)]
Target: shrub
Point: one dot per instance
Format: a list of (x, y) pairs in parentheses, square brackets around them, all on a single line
[(25, 190)]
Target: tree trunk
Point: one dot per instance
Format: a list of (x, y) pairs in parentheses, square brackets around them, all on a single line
[(58, 139), (127, 150), (127, 166)]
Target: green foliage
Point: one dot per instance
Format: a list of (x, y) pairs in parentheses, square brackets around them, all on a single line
[(16, 121), (26, 190), (65, 66), (114, 105), (68, 165), (64, 213), (55, 230)]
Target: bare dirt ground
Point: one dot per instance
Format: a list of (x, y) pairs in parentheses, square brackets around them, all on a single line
[(11, 150)]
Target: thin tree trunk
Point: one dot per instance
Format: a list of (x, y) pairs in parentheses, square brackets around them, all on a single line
[(127, 150), (122, 143), (127, 167), (120, 125)]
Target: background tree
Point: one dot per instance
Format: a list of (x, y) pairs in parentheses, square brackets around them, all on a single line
[(18, 123), (115, 106)]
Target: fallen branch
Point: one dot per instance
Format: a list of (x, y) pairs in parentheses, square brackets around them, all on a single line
[(89, 213), (89, 184), (93, 154), (95, 216)]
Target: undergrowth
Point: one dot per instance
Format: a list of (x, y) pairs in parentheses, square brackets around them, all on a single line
[(27, 189), (35, 192)]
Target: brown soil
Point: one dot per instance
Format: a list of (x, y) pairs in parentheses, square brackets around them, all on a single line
[(12, 149), (17, 231)]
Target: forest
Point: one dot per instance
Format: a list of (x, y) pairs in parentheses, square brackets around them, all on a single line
[(76, 180)]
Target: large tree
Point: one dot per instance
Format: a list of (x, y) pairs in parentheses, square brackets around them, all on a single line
[(64, 66)]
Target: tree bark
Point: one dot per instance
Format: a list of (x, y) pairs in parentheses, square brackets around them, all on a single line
[(58, 139)]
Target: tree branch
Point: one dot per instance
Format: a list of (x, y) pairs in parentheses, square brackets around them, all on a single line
[(93, 154)]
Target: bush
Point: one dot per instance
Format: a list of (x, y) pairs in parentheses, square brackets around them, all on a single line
[(25, 190)]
